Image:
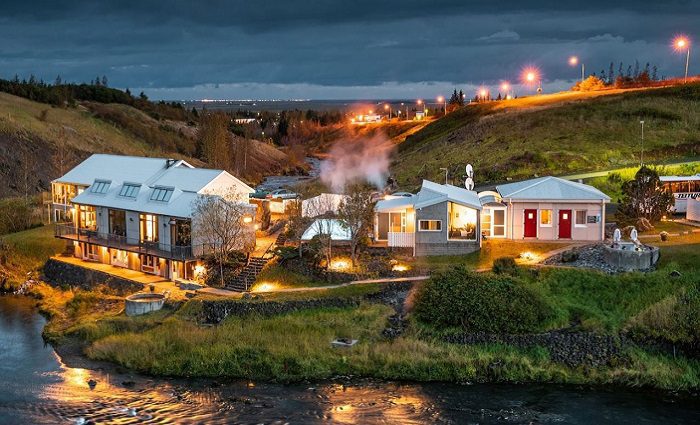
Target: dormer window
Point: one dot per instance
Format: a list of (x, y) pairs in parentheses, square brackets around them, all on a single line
[(162, 194), (100, 186), (130, 190)]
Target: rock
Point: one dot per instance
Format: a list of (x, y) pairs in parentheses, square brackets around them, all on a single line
[(92, 383), (569, 256), (247, 296), (643, 225), (664, 236), (675, 273)]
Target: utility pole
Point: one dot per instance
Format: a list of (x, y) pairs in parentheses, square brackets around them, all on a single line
[(641, 157), (687, 59), (445, 169)]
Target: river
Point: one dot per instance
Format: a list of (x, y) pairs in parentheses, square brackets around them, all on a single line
[(36, 387)]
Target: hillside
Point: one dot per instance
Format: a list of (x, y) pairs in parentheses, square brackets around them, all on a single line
[(554, 134), (39, 142)]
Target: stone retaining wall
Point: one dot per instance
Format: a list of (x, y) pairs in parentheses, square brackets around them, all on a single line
[(570, 348), (59, 273), (215, 311)]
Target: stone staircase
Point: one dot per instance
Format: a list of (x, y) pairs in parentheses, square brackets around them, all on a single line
[(281, 239), (245, 279)]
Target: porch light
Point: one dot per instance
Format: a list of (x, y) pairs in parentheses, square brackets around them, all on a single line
[(199, 271), (529, 256), (247, 219)]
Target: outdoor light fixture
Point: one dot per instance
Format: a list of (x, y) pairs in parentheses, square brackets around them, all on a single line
[(247, 219), (573, 61), (681, 43), (443, 100)]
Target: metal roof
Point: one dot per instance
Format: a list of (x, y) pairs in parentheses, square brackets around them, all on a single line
[(435, 193), (550, 188), (672, 179)]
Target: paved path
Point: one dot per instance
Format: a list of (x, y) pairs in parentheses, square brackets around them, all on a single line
[(582, 176)]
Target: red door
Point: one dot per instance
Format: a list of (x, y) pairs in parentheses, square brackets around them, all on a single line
[(564, 224), (530, 223)]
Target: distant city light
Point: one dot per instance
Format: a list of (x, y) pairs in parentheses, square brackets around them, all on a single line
[(440, 99), (573, 60), (505, 86)]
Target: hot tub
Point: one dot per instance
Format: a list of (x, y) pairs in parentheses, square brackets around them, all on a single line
[(143, 303), (629, 256)]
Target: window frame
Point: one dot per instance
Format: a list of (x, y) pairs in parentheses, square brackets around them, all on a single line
[(130, 190), (420, 229), (100, 187), (551, 219), (585, 218)]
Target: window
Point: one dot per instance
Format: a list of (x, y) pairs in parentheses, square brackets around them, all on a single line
[(461, 222), (149, 227), (149, 264), (117, 222), (161, 194), (499, 222), (100, 186), (129, 190), (430, 225), (580, 218), (87, 219), (546, 218)]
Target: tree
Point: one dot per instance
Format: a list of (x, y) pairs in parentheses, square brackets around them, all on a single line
[(655, 73), (461, 98), (589, 84), (643, 197), (219, 223), (58, 81), (357, 215), (213, 144), (104, 81), (611, 74), (636, 68)]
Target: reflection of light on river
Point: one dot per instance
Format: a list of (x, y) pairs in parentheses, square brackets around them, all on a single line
[(358, 405)]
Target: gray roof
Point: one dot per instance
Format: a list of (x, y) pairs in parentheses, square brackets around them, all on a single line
[(116, 168), (435, 193), (550, 189)]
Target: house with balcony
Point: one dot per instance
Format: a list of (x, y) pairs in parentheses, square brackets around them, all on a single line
[(438, 220), (136, 213)]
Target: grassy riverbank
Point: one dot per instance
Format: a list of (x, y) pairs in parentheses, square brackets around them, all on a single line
[(296, 346)]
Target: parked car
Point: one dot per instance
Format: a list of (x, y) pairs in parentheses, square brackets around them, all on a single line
[(259, 194), (282, 194), (404, 194)]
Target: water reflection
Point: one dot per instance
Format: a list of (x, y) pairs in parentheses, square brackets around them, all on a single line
[(38, 388)]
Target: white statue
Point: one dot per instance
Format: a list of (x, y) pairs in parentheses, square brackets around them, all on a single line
[(633, 235), (617, 236)]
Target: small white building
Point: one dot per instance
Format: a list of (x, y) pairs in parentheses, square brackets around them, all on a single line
[(322, 204), (546, 208), (693, 209), (684, 189)]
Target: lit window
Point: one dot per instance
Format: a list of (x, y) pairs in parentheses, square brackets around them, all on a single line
[(149, 227), (546, 217), (580, 218), (100, 186), (129, 190), (430, 225), (162, 194)]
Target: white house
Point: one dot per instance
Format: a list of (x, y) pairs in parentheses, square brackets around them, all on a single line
[(136, 213), (545, 208)]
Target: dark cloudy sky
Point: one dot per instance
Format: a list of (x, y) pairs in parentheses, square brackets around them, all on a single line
[(265, 49)]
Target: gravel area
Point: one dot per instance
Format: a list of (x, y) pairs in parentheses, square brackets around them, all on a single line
[(588, 256)]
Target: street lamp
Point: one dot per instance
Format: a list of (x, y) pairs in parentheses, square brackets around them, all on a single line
[(682, 43), (420, 102), (641, 157), (483, 94), (505, 86), (441, 99), (573, 61), (387, 108), (531, 75)]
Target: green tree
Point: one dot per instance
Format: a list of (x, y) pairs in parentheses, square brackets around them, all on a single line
[(213, 143), (644, 197)]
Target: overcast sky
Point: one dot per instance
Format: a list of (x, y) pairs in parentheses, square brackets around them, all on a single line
[(289, 49)]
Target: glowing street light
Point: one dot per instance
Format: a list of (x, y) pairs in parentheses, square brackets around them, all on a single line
[(420, 102), (387, 108), (441, 99), (573, 61), (682, 43), (483, 94), (505, 86), (530, 75)]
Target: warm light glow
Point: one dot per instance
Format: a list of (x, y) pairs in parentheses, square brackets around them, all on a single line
[(371, 112), (400, 267), (386, 106), (440, 99), (340, 264), (483, 92), (247, 219), (529, 256), (419, 101), (681, 43), (199, 271), (265, 287), (573, 60), (505, 86)]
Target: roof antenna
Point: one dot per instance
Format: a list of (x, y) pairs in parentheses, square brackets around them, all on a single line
[(469, 178)]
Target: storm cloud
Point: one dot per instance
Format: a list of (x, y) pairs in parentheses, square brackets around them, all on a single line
[(332, 49)]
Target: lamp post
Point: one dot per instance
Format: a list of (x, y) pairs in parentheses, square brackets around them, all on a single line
[(641, 157), (443, 100), (530, 76), (680, 44), (420, 102), (387, 108), (505, 86), (445, 170), (573, 61)]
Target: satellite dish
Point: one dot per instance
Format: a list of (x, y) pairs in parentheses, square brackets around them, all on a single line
[(469, 183), (470, 170)]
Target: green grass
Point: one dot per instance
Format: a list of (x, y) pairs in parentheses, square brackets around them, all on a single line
[(31, 248), (280, 277), (554, 134)]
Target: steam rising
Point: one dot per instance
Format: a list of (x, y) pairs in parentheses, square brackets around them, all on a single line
[(355, 160)]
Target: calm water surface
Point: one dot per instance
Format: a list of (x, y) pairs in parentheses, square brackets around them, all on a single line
[(37, 388)]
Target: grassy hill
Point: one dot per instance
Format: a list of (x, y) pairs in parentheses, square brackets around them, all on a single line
[(555, 134)]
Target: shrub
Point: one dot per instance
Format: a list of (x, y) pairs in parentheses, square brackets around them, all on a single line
[(664, 236), (481, 303), (505, 265)]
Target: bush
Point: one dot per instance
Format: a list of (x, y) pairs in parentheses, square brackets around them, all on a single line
[(505, 265), (480, 302)]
